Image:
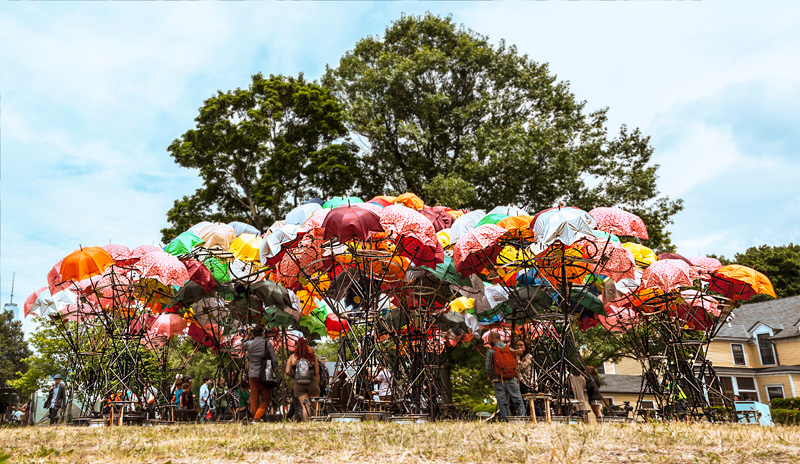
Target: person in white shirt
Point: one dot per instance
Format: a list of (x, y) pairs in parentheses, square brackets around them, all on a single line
[(205, 398), (384, 381)]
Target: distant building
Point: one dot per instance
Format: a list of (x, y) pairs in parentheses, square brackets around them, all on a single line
[(14, 309)]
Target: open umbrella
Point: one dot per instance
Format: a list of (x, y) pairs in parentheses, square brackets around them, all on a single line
[(346, 223), (669, 274), (414, 234), (465, 223), (199, 274), (117, 252), (335, 202), (84, 263), (240, 228), (620, 222), (272, 294), (246, 247), (272, 246), (565, 224), (492, 219), (168, 324), (218, 235), (740, 282), (300, 214), (183, 243), (410, 200), (438, 217), (508, 210), (162, 267), (644, 256), (705, 263), (477, 248)]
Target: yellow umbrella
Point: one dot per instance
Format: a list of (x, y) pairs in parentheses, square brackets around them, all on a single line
[(644, 256), (462, 304), (246, 247), (411, 200), (444, 237)]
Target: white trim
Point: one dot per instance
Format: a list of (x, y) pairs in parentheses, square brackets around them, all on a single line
[(736, 390), (760, 330), (791, 384), (774, 385), (744, 353)]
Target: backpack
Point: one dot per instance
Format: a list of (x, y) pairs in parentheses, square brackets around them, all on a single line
[(303, 371), (505, 363)]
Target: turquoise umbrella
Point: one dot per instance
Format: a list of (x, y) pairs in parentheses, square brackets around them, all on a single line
[(446, 272), (492, 219), (342, 201)]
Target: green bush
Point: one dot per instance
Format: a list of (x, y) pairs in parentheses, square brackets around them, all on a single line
[(785, 403), (785, 416)]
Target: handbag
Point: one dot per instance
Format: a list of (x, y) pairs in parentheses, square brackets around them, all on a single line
[(267, 373)]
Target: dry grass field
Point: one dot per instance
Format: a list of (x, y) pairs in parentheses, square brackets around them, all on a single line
[(402, 443)]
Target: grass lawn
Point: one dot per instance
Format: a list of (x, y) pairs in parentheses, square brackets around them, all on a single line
[(402, 443)]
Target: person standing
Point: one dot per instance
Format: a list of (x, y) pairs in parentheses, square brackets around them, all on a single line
[(593, 392), (259, 350), (501, 367), (56, 400), (384, 381), (205, 398), (303, 368), (324, 377)]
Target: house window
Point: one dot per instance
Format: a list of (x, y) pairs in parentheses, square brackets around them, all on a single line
[(765, 348), (746, 389), (774, 391), (738, 354), (727, 386), (601, 369)]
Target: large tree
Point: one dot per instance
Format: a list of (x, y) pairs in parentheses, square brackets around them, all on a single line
[(13, 351), (261, 150), (443, 113)]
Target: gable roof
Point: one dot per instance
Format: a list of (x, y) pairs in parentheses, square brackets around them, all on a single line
[(781, 315)]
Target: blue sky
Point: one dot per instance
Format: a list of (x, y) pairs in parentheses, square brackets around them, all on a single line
[(93, 93)]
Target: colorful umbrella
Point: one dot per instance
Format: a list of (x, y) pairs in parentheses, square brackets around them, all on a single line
[(162, 267), (199, 274), (410, 200), (620, 222), (644, 256), (740, 282), (492, 219), (438, 217), (414, 233), (335, 202), (246, 247), (465, 223), (705, 263), (272, 246), (168, 325)]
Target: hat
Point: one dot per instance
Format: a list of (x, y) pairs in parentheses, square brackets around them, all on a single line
[(57, 377)]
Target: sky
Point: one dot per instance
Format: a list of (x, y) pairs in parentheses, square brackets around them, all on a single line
[(92, 94)]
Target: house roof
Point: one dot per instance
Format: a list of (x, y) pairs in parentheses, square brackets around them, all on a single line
[(781, 315), (616, 383)]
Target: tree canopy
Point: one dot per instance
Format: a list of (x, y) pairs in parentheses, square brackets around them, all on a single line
[(443, 113), (13, 349), (260, 151)]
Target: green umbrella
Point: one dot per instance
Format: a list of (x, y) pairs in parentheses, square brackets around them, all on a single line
[(446, 272), (218, 269), (272, 294), (312, 326), (339, 201), (491, 219), (587, 300), (277, 318), (183, 243)]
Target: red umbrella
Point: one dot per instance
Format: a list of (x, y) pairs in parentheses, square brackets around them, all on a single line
[(163, 267), (414, 233), (168, 324), (335, 326), (477, 248), (705, 263), (620, 222), (346, 223), (200, 274), (669, 274), (438, 216), (209, 335)]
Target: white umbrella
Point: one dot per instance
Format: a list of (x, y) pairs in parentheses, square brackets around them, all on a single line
[(508, 210), (465, 223), (272, 244), (301, 214), (567, 224)]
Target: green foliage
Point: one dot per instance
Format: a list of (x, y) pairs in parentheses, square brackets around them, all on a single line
[(785, 416), (443, 112), (262, 150), (13, 350), (326, 348), (598, 345), (786, 403), (471, 386)]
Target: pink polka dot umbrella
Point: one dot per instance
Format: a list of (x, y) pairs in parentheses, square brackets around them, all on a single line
[(162, 267), (414, 233), (620, 222), (669, 274), (168, 325), (477, 248), (705, 264)]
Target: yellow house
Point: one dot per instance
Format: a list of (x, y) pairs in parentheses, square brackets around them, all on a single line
[(756, 353)]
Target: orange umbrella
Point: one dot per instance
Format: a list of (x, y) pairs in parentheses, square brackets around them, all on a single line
[(84, 263), (410, 200), (740, 282)]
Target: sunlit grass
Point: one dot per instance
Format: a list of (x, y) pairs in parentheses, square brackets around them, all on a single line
[(396, 443)]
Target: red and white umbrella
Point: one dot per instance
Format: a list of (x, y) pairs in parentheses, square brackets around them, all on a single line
[(669, 274), (414, 234), (613, 259), (477, 248), (620, 222), (28, 307), (162, 267), (168, 324), (705, 263)]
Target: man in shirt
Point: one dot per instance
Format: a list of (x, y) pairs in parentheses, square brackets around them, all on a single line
[(258, 350), (505, 389), (56, 399), (384, 381), (205, 398)]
